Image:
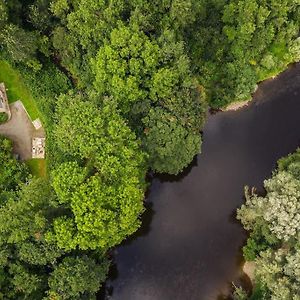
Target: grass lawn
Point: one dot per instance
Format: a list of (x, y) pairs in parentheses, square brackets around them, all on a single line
[(16, 89), (37, 167)]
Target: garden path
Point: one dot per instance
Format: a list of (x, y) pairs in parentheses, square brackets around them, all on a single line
[(21, 131)]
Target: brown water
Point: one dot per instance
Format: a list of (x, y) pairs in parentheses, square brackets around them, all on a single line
[(189, 244)]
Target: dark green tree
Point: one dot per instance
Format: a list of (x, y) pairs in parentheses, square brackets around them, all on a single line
[(12, 172), (77, 278), (170, 144)]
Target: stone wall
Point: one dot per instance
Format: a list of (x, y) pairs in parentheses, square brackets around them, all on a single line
[(4, 106)]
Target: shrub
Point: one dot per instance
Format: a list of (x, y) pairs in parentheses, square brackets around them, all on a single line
[(3, 117)]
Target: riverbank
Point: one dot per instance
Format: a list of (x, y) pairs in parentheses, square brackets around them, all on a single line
[(195, 214), (236, 105), (249, 270)]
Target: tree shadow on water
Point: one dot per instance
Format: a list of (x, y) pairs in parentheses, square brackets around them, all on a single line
[(145, 227), (107, 289), (163, 177)]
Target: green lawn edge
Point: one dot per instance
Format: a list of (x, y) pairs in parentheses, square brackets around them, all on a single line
[(37, 167), (17, 90)]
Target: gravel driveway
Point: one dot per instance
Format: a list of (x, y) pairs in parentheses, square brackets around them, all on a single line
[(20, 130)]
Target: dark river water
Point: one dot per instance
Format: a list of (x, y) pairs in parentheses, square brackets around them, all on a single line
[(189, 244)]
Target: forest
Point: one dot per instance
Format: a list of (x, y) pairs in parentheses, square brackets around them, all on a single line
[(123, 88)]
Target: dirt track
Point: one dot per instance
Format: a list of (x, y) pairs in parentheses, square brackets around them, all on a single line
[(20, 130)]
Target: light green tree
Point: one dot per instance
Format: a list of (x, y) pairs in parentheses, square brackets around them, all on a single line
[(103, 182)]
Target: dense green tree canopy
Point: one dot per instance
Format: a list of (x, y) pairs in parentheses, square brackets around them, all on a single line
[(240, 42), (170, 144), (140, 73), (27, 256), (104, 189), (152, 84), (76, 278)]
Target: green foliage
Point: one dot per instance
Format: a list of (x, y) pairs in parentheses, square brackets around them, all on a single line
[(24, 283), (170, 144), (27, 256), (100, 135), (274, 238), (3, 117), (21, 45), (260, 292), (24, 216), (39, 15), (122, 66), (3, 13), (252, 249), (242, 42), (78, 37), (239, 294), (12, 172), (104, 189), (290, 164), (77, 278), (66, 179), (23, 221), (135, 104), (154, 88), (281, 203), (279, 272)]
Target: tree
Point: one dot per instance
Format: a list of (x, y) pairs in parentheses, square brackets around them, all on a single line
[(101, 136), (25, 215), (3, 13), (77, 278), (237, 43), (103, 181), (12, 172), (137, 58), (275, 216), (21, 45), (279, 209), (279, 272), (170, 144), (239, 294), (39, 15), (152, 86), (84, 36), (103, 215), (25, 283), (123, 65)]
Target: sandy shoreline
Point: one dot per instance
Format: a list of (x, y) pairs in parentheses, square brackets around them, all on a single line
[(236, 105)]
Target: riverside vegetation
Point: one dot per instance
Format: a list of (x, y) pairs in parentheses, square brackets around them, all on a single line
[(274, 225), (123, 87)]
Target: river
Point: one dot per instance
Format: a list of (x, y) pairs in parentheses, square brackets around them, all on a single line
[(189, 244)]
